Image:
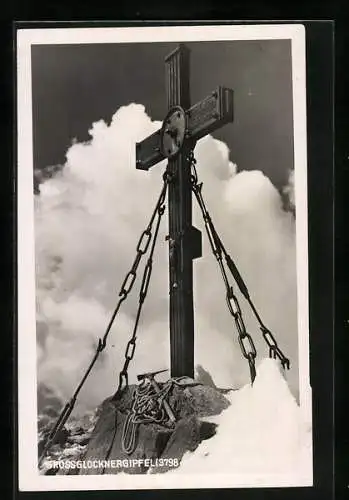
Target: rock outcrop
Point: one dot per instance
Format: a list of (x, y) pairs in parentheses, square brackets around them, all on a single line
[(71, 440), (98, 436), (190, 405)]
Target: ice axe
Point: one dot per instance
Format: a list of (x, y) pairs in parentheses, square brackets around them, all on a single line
[(151, 377)]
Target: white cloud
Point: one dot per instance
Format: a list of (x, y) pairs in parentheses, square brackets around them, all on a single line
[(88, 219), (289, 189)]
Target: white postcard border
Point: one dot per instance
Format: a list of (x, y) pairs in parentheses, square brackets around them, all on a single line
[(29, 477)]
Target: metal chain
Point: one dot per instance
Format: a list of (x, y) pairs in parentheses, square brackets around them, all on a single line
[(274, 350), (245, 340), (131, 345), (233, 304), (126, 287)]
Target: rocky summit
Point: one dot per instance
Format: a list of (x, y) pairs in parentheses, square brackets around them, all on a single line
[(99, 436)]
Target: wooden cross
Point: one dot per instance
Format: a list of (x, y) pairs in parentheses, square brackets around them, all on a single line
[(182, 127)]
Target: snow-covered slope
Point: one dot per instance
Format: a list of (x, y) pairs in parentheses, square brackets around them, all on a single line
[(263, 438)]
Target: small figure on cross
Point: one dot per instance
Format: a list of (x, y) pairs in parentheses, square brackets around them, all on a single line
[(172, 252)]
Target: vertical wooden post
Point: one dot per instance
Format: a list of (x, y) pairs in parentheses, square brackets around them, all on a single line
[(180, 227)]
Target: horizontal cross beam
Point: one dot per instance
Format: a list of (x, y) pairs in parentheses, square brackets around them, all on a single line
[(203, 118)]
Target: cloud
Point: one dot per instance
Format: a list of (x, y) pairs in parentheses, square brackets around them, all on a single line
[(288, 191), (88, 219)]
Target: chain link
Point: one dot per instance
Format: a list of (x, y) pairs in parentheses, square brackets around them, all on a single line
[(233, 303), (251, 351), (145, 280), (128, 283), (131, 344), (146, 235), (274, 350)]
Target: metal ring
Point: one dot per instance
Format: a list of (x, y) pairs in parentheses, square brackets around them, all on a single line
[(172, 133)]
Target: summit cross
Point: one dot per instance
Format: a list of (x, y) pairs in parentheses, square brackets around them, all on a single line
[(182, 127)]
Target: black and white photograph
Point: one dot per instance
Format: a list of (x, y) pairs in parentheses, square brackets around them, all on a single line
[(163, 324)]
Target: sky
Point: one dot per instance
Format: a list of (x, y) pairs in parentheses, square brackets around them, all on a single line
[(73, 86), (90, 105)]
